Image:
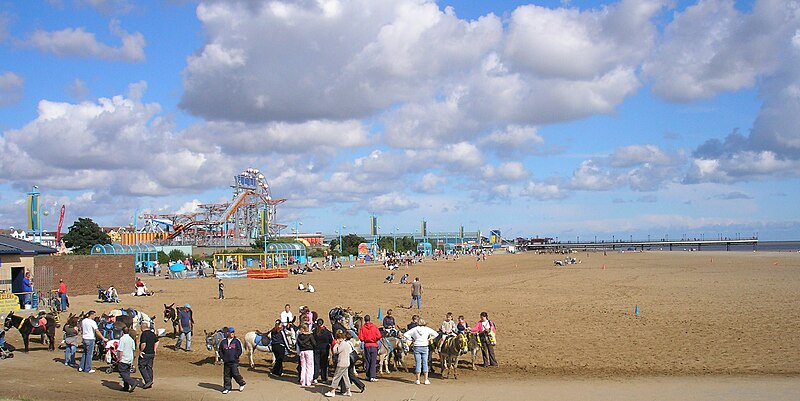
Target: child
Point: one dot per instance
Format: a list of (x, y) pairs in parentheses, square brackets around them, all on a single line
[(404, 278), (462, 324), (221, 290)]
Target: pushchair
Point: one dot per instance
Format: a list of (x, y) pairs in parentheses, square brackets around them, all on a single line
[(104, 296), (111, 356), (4, 351)]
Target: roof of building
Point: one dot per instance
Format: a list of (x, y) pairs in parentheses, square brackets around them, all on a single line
[(14, 246)]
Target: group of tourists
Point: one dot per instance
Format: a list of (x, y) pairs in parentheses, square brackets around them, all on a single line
[(85, 331), (315, 345)]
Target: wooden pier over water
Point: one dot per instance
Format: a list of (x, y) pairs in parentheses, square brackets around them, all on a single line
[(689, 244)]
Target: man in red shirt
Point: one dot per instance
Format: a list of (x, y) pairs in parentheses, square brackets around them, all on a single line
[(369, 334), (62, 294)]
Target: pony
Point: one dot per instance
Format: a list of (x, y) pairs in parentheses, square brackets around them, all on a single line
[(390, 347), (473, 346), (251, 346), (213, 339), (171, 315), (26, 327), (452, 349), (130, 319)]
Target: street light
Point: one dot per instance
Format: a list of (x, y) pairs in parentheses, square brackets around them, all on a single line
[(394, 237), (341, 227), (296, 228)]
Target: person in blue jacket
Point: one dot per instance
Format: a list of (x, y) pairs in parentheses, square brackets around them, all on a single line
[(230, 349)]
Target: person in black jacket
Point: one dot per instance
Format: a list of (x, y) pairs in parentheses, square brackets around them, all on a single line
[(322, 350), (305, 345), (230, 349), (279, 348)]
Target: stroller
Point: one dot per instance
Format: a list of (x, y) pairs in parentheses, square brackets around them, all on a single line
[(111, 356), (104, 296), (4, 351)]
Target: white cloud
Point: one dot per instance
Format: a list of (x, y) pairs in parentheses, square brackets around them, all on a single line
[(11, 88), (77, 89), (511, 171), (326, 60), (109, 7), (76, 42), (389, 203), (711, 48), (430, 183), (638, 154), (573, 44), (543, 191)]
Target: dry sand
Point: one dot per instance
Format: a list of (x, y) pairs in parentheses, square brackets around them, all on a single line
[(712, 325)]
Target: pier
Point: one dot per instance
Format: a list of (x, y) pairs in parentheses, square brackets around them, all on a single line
[(692, 244)]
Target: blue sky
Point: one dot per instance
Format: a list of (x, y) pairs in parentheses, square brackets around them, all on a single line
[(560, 118)]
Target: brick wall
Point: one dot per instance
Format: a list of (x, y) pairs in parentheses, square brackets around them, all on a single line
[(83, 274)]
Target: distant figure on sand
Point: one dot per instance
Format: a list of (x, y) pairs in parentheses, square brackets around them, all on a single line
[(389, 278), (221, 287), (416, 293), (301, 287)]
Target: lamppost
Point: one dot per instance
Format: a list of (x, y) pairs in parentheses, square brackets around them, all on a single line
[(35, 213), (341, 227), (297, 223), (394, 237)]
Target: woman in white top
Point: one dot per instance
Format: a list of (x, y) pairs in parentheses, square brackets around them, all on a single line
[(421, 337)]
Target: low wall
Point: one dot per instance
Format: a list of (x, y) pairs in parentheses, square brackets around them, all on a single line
[(83, 273)]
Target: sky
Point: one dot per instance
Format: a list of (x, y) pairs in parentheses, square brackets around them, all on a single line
[(570, 119)]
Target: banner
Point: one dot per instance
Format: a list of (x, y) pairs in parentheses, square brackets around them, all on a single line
[(60, 221), (33, 212)]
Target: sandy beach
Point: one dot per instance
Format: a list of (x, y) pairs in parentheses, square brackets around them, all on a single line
[(711, 325)]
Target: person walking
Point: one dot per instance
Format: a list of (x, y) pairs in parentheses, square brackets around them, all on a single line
[(351, 371), (89, 334), (221, 287), (187, 325), (62, 295), (71, 342), (125, 351), (148, 344), (323, 340), (230, 349), (279, 348), (341, 353), (486, 334), (305, 350), (420, 336), (369, 335), (416, 293)]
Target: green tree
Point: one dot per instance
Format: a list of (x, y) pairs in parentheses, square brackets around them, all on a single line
[(83, 235), (163, 258), (350, 244), (176, 255)]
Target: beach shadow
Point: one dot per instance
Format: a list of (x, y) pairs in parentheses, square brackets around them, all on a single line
[(205, 361), (211, 386), (111, 385)]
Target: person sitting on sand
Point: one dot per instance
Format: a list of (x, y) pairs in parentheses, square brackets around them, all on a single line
[(389, 278), (404, 279), (301, 287), (310, 288)]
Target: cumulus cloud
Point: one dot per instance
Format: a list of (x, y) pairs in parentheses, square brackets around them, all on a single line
[(107, 144), (77, 89), (573, 44), (638, 154), (511, 171), (430, 183), (11, 88), (266, 138), (543, 191), (390, 203), (711, 47), (514, 140), (76, 42), (326, 60)]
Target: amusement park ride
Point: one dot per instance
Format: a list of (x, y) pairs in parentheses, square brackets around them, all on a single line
[(247, 218)]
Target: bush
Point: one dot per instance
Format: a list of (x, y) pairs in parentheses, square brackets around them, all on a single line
[(176, 255)]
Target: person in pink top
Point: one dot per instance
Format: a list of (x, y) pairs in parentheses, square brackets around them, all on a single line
[(486, 334)]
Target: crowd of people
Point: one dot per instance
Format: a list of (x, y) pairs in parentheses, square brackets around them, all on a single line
[(319, 348)]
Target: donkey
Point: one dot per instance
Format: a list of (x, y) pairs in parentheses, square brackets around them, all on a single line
[(452, 349), (171, 316), (26, 327), (390, 347)]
